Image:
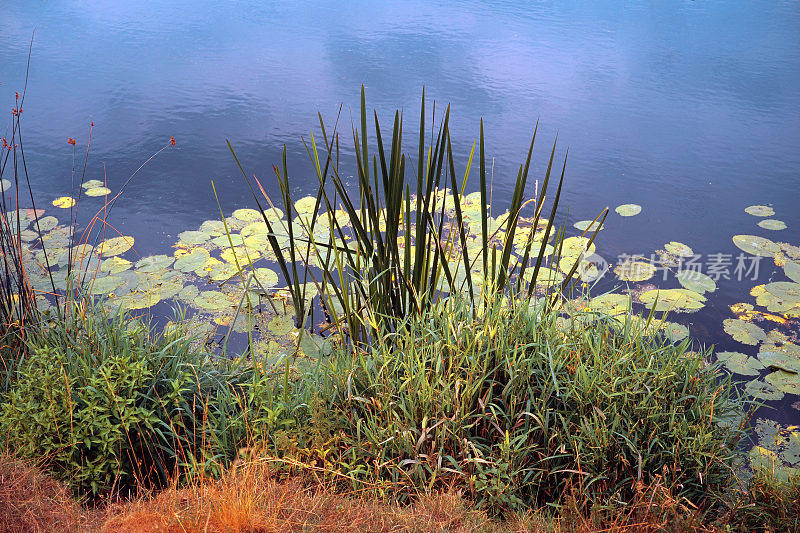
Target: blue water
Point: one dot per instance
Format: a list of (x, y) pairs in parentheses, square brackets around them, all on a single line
[(691, 109)]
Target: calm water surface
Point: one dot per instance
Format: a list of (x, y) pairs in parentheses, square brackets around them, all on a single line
[(691, 109)]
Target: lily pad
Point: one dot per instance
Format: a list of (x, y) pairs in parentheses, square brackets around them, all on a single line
[(575, 246), (281, 325), (696, 281), (98, 191), (628, 210), (105, 284), (755, 245), (248, 215), (64, 202), (153, 263), (91, 184), (305, 204), (194, 237), (744, 332), (224, 242), (672, 300), (675, 332), (115, 246), (114, 265), (635, 271), (612, 304), (792, 271), (47, 224), (787, 291), (266, 277), (773, 224), (740, 363), (780, 361), (679, 249), (762, 391), (588, 225), (759, 211), (788, 382), (213, 300), (192, 261)]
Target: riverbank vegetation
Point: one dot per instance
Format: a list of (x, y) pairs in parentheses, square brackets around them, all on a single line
[(459, 380)]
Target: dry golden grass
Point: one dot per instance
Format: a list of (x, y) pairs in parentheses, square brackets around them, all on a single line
[(250, 499), (33, 501)]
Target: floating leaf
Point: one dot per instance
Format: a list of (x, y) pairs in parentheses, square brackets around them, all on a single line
[(105, 284), (588, 225), (213, 300), (780, 360), (612, 304), (679, 249), (696, 281), (759, 211), (792, 271), (266, 277), (744, 332), (98, 191), (672, 300), (194, 260), (762, 391), (575, 246), (314, 345), (153, 263), (635, 271), (91, 184), (194, 237), (115, 265), (64, 202), (247, 215), (224, 242), (772, 224), (675, 332), (281, 325), (305, 204), (740, 363), (755, 245), (115, 246), (788, 382), (786, 291), (628, 210), (47, 224)]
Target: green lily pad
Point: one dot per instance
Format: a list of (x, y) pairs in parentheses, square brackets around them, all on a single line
[(696, 281), (98, 191), (47, 224), (740, 363), (788, 382), (780, 361), (115, 246), (635, 271), (153, 263), (224, 242), (588, 225), (762, 391), (628, 210), (215, 228), (675, 332), (612, 304), (315, 346), (679, 249), (755, 245), (772, 224), (213, 300), (792, 271), (744, 332), (192, 261), (247, 215), (91, 184), (575, 246), (305, 204), (115, 265), (266, 277), (759, 211), (544, 278), (105, 284), (672, 300), (787, 291), (222, 271), (281, 325), (194, 237), (189, 293)]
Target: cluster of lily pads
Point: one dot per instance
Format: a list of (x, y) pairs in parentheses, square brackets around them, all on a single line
[(224, 271)]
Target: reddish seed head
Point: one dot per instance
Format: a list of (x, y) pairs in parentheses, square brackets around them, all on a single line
[(71, 141)]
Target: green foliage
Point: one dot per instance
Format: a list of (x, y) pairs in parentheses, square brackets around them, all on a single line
[(109, 403), (519, 406)]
